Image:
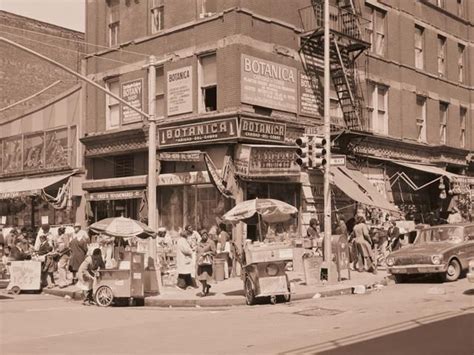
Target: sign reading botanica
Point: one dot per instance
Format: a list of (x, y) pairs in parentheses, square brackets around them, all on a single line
[(132, 92), (179, 96), (262, 130), (209, 131), (268, 84)]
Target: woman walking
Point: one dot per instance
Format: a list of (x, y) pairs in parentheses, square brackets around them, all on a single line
[(206, 250), (78, 246), (363, 244), (184, 264)]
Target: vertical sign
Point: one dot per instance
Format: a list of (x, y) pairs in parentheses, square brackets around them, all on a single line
[(309, 103), (179, 94), (132, 92)]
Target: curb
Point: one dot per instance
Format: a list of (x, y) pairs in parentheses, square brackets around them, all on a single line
[(210, 302)]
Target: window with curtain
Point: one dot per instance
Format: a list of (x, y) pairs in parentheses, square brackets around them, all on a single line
[(160, 92), (419, 59), (441, 55), (378, 108), (421, 117), (463, 119), (443, 119), (112, 105), (157, 10), (113, 22), (461, 63), (208, 83), (376, 30)]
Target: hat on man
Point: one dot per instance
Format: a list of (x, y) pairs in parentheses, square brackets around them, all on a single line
[(77, 224), (162, 230)]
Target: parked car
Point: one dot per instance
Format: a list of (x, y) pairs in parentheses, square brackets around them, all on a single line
[(445, 250), (470, 274)]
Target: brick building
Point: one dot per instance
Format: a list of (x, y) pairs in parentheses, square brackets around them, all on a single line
[(231, 87), (40, 122)]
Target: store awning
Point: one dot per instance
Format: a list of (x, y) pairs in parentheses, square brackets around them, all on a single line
[(355, 185), (462, 179), (28, 186)]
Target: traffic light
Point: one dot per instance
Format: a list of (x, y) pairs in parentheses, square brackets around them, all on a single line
[(304, 152), (319, 151)]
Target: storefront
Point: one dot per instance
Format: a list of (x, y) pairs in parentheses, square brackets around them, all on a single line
[(126, 203)]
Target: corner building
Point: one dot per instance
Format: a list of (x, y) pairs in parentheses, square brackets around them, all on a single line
[(231, 97)]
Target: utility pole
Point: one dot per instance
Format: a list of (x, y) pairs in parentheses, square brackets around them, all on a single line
[(327, 136)]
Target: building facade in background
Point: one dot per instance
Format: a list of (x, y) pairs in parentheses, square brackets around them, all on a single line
[(40, 123), (233, 93)]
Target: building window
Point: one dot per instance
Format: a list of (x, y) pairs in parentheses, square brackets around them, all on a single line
[(441, 55), (113, 106), (460, 8), (123, 166), (376, 30), (160, 93), (462, 116), (206, 7), (113, 22), (421, 117), (157, 15), (460, 63), (419, 59), (378, 108), (443, 119), (208, 83)]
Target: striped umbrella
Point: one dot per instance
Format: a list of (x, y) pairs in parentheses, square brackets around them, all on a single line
[(269, 210), (122, 227)]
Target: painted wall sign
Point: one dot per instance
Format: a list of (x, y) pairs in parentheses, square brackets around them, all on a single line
[(115, 195), (268, 84), (309, 104), (266, 160), (209, 131), (179, 94), (195, 155), (132, 92), (262, 130)]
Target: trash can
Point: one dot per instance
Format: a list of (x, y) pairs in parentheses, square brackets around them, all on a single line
[(312, 268), (219, 269)]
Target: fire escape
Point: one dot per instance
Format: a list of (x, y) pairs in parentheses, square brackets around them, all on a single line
[(346, 45)]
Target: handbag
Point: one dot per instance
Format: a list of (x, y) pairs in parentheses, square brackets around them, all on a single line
[(205, 260)]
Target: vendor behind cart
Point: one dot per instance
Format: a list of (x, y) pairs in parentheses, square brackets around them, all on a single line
[(86, 274)]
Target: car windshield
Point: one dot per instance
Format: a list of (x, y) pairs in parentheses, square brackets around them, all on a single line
[(441, 234)]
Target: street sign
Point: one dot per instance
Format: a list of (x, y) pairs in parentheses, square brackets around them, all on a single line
[(338, 160)]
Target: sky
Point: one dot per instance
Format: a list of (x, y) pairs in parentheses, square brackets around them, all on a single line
[(64, 13)]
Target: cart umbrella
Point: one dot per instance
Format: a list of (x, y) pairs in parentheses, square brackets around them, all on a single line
[(122, 227), (269, 210)]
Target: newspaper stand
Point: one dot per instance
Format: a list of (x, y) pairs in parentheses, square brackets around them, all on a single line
[(264, 272), (126, 281), (24, 276)]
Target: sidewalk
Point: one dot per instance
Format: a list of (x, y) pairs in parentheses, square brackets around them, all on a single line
[(230, 292)]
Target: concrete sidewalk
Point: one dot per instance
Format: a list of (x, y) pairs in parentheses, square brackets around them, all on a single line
[(230, 292)]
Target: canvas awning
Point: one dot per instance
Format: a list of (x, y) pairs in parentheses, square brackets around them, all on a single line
[(462, 179), (28, 186), (355, 185)]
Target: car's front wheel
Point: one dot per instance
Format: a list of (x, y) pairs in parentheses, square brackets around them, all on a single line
[(453, 272)]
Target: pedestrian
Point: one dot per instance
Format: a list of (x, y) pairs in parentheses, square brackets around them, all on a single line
[(184, 261), (341, 228), (394, 237), (206, 250), (64, 254), (363, 244), (312, 233), (10, 239), (48, 266), (16, 252), (454, 216), (224, 251), (78, 246), (86, 275)]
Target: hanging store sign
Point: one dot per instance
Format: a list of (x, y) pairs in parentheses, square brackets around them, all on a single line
[(132, 92), (262, 130), (266, 160), (268, 84), (195, 155), (309, 102), (115, 195), (198, 132), (179, 91)]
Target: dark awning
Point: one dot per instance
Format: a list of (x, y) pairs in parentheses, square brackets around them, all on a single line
[(28, 186)]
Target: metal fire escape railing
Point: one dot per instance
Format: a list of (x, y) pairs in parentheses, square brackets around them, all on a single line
[(346, 44)]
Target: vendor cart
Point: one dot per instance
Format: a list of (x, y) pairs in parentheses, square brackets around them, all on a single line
[(123, 282), (264, 263), (264, 272), (24, 276)]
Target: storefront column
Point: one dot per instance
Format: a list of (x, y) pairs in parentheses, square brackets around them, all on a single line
[(239, 230)]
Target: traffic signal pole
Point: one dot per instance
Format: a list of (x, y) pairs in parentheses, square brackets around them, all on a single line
[(327, 136)]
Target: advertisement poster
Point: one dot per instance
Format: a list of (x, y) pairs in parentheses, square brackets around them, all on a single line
[(132, 92), (179, 94), (268, 84), (309, 104)]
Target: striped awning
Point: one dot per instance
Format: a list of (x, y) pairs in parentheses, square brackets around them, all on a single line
[(29, 186)]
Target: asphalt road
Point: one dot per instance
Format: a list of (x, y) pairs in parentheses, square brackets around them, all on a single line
[(415, 318)]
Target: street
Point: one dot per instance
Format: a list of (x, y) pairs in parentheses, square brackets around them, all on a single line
[(416, 318)]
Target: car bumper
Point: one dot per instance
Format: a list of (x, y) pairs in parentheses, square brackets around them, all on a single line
[(470, 276), (417, 269)]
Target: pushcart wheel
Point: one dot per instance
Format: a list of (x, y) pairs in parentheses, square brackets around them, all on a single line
[(104, 296), (15, 290), (249, 291)]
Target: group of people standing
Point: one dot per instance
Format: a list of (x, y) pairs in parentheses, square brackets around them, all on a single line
[(195, 254)]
